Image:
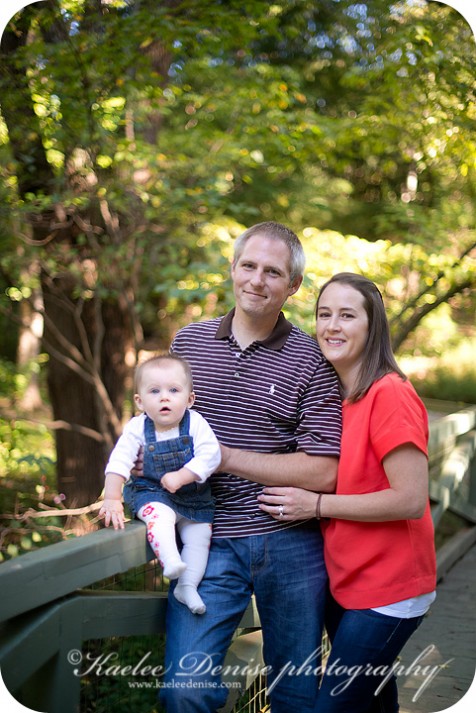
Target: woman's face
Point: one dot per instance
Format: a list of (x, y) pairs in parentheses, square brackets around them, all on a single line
[(342, 327)]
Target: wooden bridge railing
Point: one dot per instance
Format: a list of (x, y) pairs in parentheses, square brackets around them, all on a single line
[(47, 610)]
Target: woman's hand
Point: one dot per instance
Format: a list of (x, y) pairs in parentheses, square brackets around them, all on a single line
[(288, 503)]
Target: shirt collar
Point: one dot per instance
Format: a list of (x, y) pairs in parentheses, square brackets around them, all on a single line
[(276, 340)]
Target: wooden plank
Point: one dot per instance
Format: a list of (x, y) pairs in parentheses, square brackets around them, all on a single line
[(452, 551), (106, 614), (242, 665), (85, 615), (451, 490), (444, 431), (38, 577), (40, 635)]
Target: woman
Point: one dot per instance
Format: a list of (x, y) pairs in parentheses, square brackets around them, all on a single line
[(379, 542)]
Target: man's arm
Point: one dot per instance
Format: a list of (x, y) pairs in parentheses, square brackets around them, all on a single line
[(299, 469)]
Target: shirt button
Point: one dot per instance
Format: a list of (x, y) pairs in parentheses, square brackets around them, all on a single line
[(151, 448), (237, 373)]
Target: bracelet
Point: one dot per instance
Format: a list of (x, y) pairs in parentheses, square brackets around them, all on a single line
[(318, 506)]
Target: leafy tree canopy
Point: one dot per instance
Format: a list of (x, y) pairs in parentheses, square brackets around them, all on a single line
[(137, 139)]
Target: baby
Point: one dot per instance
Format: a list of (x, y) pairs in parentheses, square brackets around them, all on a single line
[(180, 453)]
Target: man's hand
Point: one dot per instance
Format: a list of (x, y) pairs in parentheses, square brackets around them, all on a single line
[(113, 512), (138, 469)]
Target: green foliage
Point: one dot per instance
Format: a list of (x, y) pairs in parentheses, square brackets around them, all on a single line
[(450, 377), (249, 111), (443, 383), (27, 476), (126, 692), (137, 139)]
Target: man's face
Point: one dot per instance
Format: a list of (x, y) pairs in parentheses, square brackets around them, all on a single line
[(261, 277)]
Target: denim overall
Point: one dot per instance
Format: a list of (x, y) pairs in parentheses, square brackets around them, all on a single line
[(193, 501)]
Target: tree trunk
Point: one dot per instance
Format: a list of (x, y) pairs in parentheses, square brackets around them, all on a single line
[(86, 417), (29, 343), (85, 435)]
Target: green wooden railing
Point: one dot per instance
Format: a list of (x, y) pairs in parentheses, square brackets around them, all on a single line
[(47, 610)]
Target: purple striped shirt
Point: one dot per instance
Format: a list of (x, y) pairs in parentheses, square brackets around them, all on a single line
[(276, 396)]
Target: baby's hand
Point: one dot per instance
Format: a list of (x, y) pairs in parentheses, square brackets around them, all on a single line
[(112, 511), (175, 479), (171, 481)]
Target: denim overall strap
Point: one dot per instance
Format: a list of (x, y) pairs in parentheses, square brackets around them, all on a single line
[(185, 424), (149, 431)]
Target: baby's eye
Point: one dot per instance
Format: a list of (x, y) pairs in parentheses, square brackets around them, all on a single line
[(174, 390)]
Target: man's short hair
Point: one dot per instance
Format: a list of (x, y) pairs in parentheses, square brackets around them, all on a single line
[(275, 231)]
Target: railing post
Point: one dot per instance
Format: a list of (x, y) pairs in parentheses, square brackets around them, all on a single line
[(54, 688), (472, 474)]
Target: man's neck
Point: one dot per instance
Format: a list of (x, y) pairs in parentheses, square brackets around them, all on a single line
[(247, 329)]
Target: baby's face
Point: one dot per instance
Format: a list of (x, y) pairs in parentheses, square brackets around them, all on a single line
[(164, 394)]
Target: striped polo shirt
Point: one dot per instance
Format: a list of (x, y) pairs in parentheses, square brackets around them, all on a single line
[(276, 396)]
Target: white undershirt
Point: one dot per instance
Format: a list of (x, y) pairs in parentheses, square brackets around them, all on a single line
[(408, 608)]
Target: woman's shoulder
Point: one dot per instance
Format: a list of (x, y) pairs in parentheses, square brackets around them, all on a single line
[(394, 384), (396, 394)]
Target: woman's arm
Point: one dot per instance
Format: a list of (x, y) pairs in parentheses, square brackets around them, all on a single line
[(406, 468)]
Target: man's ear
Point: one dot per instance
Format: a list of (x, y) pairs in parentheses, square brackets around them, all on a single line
[(295, 285)]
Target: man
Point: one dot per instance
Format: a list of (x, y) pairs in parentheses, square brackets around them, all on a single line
[(274, 404)]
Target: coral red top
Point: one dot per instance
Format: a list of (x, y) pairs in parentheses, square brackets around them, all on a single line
[(371, 564)]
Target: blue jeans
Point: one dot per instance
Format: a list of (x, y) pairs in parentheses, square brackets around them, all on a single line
[(285, 570), (362, 641)]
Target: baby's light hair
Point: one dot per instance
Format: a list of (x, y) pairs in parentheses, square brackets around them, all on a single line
[(158, 360)]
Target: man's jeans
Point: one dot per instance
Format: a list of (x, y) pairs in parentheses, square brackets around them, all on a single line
[(285, 570), (368, 642)]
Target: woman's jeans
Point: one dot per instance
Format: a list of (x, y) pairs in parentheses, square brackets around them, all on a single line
[(358, 676), (285, 570)]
